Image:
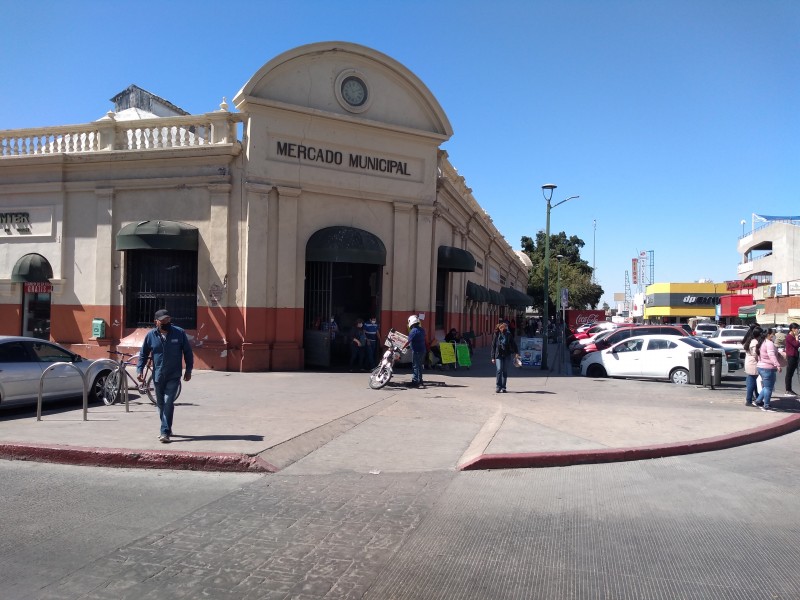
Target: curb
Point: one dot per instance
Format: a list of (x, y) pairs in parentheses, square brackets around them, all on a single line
[(137, 459), (609, 455)]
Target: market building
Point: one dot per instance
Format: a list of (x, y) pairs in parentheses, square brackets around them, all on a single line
[(326, 195)]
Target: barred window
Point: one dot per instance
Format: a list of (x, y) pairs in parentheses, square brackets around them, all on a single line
[(158, 279)]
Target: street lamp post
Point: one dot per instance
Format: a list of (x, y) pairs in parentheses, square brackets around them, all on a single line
[(547, 192), (559, 304), (742, 224)]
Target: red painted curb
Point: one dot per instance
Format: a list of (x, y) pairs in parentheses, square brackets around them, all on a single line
[(139, 459), (607, 455)]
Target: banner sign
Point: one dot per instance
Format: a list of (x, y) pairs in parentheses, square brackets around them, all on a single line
[(577, 318), (635, 271), (741, 284), (530, 351)]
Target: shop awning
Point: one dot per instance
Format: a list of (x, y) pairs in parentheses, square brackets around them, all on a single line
[(516, 298), (749, 311), (477, 292), (497, 298), (157, 235), (455, 259), (345, 245), (32, 267)]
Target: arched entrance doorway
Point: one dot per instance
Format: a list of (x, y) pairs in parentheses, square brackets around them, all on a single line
[(343, 283), (34, 272)]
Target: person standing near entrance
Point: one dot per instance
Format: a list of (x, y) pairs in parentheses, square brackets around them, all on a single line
[(792, 345), (416, 339), (169, 347), (373, 337), (504, 350), (358, 347)]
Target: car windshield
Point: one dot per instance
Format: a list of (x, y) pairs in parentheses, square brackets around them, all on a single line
[(733, 333), (691, 342), (706, 327)]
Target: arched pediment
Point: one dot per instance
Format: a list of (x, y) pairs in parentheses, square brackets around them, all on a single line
[(309, 78)]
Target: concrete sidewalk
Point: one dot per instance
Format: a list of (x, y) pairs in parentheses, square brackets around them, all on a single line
[(326, 422)]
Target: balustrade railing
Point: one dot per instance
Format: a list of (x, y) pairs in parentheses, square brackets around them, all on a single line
[(109, 134)]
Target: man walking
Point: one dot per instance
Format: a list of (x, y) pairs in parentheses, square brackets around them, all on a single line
[(792, 345), (167, 344)]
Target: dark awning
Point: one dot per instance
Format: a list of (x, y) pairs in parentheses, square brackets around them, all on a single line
[(157, 235), (497, 298), (345, 245), (32, 267), (455, 259), (477, 292), (516, 298)]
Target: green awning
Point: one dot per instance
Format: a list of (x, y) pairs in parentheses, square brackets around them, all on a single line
[(750, 311), (455, 259), (345, 245), (32, 267), (157, 235)]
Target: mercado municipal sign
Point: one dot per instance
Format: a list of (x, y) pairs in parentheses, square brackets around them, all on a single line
[(327, 156)]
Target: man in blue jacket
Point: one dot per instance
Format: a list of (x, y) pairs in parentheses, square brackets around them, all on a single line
[(166, 343), (416, 339)]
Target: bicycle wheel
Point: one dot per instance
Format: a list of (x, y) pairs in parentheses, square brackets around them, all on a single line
[(111, 388), (151, 389)]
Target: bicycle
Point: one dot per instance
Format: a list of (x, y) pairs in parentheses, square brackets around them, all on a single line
[(112, 389)]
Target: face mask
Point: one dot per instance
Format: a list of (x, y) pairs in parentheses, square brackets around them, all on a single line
[(164, 326)]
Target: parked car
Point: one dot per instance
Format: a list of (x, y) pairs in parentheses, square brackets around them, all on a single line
[(595, 329), (646, 356), (734, 356), (729, 336), (24, 359), (621, 333), (705, 329), (686, 327)]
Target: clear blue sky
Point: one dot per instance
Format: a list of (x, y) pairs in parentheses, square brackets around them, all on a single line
[(672, 120)]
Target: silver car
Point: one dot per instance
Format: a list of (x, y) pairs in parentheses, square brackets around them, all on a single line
[(24, 359)]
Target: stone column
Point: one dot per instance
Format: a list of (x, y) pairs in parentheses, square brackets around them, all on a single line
[(425, 280), (287, 348)]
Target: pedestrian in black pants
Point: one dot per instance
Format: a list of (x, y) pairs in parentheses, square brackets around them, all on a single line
[(792, 347)]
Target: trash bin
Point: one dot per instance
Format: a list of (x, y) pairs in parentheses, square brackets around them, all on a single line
[(712, 368), (696, 367), (98, 328)]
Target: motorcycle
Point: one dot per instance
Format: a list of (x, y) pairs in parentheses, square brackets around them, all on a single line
[(395, 347)]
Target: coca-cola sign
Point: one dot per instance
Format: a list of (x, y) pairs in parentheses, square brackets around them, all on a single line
[(578, 318)]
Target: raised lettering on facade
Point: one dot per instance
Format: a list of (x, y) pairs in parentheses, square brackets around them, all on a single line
[(335, 157)]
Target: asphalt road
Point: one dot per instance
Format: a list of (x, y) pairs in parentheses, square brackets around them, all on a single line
[(714, 526)]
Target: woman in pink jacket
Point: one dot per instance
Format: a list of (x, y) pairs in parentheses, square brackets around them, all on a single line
[(768, 367)]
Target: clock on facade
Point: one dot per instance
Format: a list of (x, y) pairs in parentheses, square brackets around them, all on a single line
[(354, 91)]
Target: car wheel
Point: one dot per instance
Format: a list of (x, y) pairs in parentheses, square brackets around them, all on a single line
[(595, 371), (679, 376), (97, 393)]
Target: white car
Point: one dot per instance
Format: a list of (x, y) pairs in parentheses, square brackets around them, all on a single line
[(730, 337), (646, 356), (705, 329)]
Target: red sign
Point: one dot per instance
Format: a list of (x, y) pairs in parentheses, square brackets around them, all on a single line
[(576, 318), (38, 287), (635, 271), (741, 284)]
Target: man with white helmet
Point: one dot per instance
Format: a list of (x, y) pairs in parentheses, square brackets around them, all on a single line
[(416, 339)]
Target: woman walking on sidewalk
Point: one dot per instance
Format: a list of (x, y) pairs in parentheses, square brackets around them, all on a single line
[(504, 350), (768, 367), (751, 363)]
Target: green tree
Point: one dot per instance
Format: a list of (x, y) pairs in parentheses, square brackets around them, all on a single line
[(576, 273)]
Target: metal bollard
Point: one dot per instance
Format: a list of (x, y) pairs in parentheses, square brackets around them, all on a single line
[(85, 389)]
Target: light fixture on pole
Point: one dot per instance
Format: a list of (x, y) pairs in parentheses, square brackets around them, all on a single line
[(742, 224), (547, 192)]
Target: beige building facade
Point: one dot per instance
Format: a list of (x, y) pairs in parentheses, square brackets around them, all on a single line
[(326, 195)]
